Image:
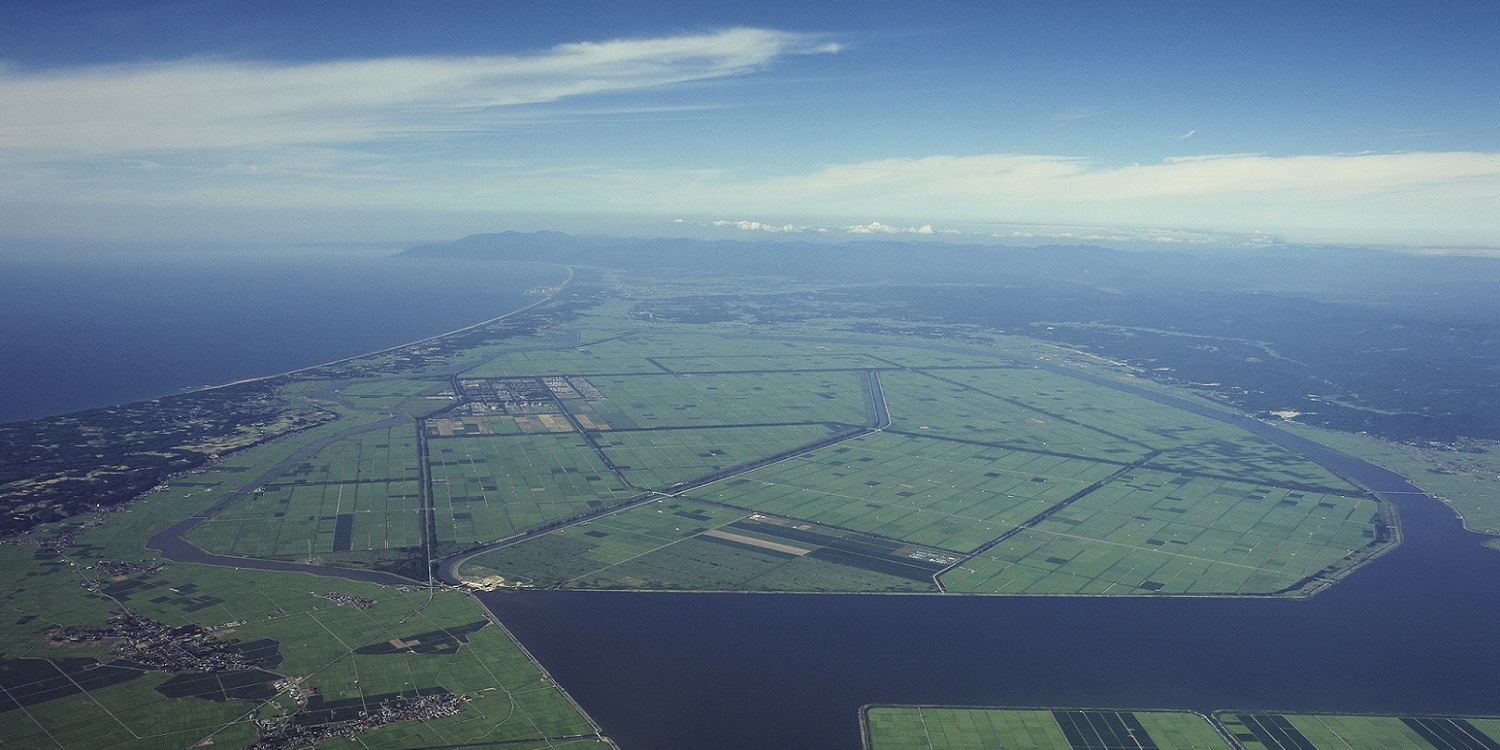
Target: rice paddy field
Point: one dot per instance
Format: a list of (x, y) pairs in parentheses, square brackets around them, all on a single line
[(960, 728), (1329, 732), (323, 652), (872, 467), (988, 476), (956, 728)]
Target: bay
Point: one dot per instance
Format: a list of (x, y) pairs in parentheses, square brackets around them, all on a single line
[(81, 329)]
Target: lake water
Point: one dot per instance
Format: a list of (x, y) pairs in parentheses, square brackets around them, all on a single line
[(1414, 631), (81, 328)]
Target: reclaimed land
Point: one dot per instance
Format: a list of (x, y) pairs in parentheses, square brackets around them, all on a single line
[(958, 727), (290, 529), (585, 454), (982, 476)]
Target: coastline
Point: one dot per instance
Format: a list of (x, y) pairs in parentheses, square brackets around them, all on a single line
[(85, 337), (545, 297)]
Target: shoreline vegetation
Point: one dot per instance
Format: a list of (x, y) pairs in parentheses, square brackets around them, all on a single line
[(633, 432)]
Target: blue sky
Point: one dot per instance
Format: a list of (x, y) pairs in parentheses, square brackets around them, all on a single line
[(1233, 124)]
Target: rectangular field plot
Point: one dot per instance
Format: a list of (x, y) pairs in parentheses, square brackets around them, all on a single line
[(490, 487), (1189, 442), (292, 521), (760, 553), (662, 458), (628, 354), (925, 405), (453, 646), (731, 400), (391, 393), (952, 728), (1343, 732), (1154, 532), (939, 494), (472, 425), (676, 543), (728, 562), (597, 359), (585, 549), (290, 625), (388, 454), (735, 362), (131, 716)]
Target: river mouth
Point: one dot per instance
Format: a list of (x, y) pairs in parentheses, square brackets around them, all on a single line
[(1411, 632)]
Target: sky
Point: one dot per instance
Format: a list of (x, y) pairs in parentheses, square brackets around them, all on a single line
[(1234, 124)]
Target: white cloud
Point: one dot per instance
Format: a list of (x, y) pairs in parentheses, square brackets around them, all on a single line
[(876, 227), (873, 227), (756, 226), (221, 104), (1038, 179), (1364, 197), (1028, 233)]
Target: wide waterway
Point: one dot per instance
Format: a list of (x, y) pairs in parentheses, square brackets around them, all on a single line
[(1414, 631)]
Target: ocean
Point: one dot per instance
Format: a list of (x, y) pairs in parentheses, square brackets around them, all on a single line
[(82, 327)]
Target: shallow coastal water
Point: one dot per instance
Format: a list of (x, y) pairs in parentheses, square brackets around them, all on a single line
[(80, 329)]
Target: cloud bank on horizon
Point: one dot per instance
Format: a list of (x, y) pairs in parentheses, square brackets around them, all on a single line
[(711, 123)]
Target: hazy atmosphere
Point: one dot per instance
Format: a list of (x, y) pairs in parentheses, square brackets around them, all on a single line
[(1253, 123)]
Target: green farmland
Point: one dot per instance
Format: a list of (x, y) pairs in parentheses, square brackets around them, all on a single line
[(1333, 732), (321, 649), (988, 478), (954, 728), (676, 457), (604, 450), (958, 728)]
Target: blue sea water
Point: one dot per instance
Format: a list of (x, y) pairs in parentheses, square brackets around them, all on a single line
[(88, 327)]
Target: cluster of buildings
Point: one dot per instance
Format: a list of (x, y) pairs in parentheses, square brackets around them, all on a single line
[(115, 569), (156, 645), (285, 734), (58, 542), (357, 602)]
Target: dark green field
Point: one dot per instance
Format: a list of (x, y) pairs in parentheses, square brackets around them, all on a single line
[(957, 728), (338, 653), (1020, 479), (954, 728)]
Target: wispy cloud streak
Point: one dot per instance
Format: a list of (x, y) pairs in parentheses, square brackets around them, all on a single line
[(222, 104)]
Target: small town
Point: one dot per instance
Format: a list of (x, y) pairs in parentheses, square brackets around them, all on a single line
[(357, 602), (158, 646), (285, 734)]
